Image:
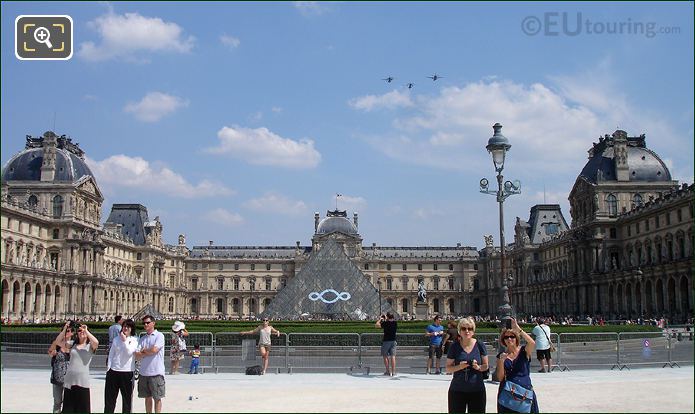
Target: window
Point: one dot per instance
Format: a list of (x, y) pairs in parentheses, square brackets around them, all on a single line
[(194, 283), (637, 227), (236, 266), (268, 283), (404, 283), (220, 266), (389, 284), (284, 282), (451, 267), (612, 204), (551, 228), (405, 266), (252, 284), (613, 233), (220, 283), (388, 267), (451, 306), (56, 233), (171, 305), (366, 266), (434, 266), (33, 201), (419, 266), (668, 218), (679, 214), (267, 266), (236, 283), (435, 305), (139, 257), (629, 230), (451, 283), (404, 306), (235, 305), (646, 225), (657, 223), (436, 283), (636, 200), (476, 284), (220, 305), (253, 266), (57, 206), (475, 266)]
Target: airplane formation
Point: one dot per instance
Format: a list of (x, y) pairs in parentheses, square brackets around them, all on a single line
[(410, 85)]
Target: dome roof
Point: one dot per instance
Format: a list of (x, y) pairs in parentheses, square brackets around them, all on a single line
[(643, 163), (336, 221), (26, 165)]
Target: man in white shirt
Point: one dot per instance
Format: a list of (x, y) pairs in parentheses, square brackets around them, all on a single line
[(151, 385), (541, 334)]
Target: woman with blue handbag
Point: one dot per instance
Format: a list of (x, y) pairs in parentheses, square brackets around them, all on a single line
[(516, 393)]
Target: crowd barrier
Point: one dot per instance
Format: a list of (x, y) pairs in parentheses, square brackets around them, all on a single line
[(350, 352)]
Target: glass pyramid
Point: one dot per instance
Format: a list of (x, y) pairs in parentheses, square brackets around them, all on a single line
[(329, 286)]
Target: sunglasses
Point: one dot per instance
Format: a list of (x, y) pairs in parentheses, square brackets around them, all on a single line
[(509, 337), (147, 323), (467, 329), (265, 320)]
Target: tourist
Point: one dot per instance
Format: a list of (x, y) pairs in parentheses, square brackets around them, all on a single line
[(120, 369), (60, 358), (151, 384), (541, 334), (178, 345), (434, 331), (450, 336), (514, 364), (265, 330), (467, 360), (76, 398), (114, 330), (388, 343), (195, 359)]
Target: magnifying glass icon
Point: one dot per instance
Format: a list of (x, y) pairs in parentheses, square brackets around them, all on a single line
[(42, 35)]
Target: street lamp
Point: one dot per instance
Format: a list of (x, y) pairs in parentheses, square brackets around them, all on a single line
[(497, 146), (378, 283)]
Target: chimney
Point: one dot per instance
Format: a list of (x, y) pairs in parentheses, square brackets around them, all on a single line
[(316, 221), (48, 167), (298, 244), (210, 242), (620, 155), (354, 220), (458, 244)]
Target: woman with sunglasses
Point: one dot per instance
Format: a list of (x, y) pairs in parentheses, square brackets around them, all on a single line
[(467, 360), (265, 330), (60, 358), (514, 364), (76, 382)]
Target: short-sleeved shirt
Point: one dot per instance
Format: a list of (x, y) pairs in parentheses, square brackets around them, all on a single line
[(114, 330), (539, 332), (389, 328), (435, 340), (152, 365), (78, 368), (469, 379)]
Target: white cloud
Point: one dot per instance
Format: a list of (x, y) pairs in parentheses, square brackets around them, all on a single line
[(122, 171), (425, 213), (310, 8), (277, 203), (154, 106), (260, 146), (129, 35), (390, 100), (224, 217), (230, 41), (350, 203), (277, 109)]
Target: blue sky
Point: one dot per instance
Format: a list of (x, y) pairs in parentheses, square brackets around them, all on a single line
[(234, 122)]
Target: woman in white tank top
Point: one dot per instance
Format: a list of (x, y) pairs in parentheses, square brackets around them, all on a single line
[(265, 330)]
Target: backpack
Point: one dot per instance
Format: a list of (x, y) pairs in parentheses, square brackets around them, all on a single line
[(254, 370)]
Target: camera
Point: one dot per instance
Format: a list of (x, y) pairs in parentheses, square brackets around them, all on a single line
[(73, 325), (508, 323)]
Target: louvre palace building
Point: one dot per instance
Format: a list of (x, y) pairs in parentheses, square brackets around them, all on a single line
[(627, 252)]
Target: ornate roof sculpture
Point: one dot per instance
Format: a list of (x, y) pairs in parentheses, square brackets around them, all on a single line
[(329, 286)]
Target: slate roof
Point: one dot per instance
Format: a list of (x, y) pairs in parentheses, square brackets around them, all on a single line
[(133, 218)]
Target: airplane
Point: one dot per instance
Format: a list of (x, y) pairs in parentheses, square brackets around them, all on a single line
[(410, 85), (388, 79), (435, 77)]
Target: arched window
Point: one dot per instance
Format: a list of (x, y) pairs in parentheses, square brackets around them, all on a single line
[(404, 306), (637, 200), (612, 203), (57, 206), (220, 305), (171, 305), (33, 200)]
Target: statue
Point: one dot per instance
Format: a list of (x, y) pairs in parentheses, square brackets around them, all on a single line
[(421, 292), (488, 240)]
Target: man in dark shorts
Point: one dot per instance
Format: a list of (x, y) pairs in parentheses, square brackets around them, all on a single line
[(541, 334), (151, 385), (388, 343)]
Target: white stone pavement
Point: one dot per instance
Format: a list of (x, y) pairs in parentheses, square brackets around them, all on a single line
[(637, 390)]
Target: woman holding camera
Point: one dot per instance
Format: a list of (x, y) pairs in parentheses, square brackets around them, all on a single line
[(120, 368), (60, 358), (76, 382), (514, 366), (467, 360)]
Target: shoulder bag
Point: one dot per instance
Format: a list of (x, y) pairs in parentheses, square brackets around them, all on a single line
[(515, 397), (552, 346)]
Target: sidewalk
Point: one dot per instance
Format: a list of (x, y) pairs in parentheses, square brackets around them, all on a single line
[(637, 390)]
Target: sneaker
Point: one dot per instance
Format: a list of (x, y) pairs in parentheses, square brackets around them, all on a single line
[(437, 372), (427, 372), (387, 373), (541, 370)]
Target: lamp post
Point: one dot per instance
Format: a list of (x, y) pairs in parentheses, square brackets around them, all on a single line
[(497, 146), (378, 283)]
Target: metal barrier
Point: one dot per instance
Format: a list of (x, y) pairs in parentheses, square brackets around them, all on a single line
[(588, 349), (643, 348), (323, 351), (227, 352)]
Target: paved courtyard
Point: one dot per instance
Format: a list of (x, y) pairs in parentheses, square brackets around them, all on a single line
[(637, 390)]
